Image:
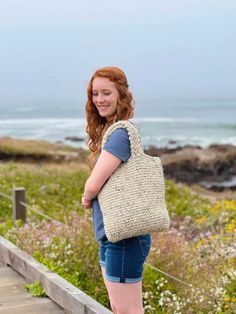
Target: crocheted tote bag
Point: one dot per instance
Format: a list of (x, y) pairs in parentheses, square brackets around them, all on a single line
[(132, 200)]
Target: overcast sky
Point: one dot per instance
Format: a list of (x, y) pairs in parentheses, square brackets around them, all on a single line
[(169, 49)]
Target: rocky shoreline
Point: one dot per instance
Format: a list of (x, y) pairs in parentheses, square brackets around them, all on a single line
[(213, 167)]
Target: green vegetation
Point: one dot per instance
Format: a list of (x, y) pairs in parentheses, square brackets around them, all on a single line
[(54, 189), (183, 202), (35, 289), (199, 249), (19, 146), (20, 150)]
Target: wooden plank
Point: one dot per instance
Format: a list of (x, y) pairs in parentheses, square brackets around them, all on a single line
[(23, 300), (13, 290), (15, 299), (61, 291), (16, 294), (45, 308), (4, 267), (9, 277)]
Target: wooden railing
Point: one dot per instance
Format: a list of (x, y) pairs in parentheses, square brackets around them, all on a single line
[(70, 298)]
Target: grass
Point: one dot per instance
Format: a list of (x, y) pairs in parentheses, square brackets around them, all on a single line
[(35, 289), (54, 189), (19, 149), (11, 145)]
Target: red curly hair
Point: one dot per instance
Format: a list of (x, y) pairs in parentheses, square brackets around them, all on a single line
[(97, 125)]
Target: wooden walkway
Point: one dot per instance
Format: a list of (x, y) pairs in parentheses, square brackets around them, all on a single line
[(14, 299), (24, 268)]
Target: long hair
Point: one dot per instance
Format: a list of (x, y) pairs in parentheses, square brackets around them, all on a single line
[(97, 125)]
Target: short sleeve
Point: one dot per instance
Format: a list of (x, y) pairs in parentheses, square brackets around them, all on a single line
[(118, 144)]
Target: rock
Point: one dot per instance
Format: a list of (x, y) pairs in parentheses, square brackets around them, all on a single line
[(193, 164), (75, 139), (155, 151), (220, 186), (172, 142)]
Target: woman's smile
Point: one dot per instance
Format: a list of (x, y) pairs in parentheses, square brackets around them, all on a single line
[(103, 107)]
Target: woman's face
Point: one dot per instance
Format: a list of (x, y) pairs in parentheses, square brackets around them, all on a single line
[(105, 96)]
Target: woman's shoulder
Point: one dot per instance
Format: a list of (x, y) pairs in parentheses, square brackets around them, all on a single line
[(118, 143), (119, 133), (121, 127)]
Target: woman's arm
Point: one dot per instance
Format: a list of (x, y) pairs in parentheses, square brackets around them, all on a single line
[(105, 166)]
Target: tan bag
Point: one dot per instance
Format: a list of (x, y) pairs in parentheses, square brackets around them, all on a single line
[(132, 201)]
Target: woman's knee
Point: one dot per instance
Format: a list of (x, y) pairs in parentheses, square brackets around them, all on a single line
[(119, 309), (125, 298), (113, 307), (125, 308)]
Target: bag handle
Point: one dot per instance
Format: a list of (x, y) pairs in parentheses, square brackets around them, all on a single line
[(136, 146)]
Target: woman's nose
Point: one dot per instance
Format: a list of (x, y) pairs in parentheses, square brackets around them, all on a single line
[(100, 98)]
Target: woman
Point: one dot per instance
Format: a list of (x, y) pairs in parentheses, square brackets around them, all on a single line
[(109, 100)]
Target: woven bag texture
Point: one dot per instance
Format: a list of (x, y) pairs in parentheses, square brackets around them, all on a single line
[(133, 199)]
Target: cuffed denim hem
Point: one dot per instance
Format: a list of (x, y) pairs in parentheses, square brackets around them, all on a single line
[(126, 280), (102, 263), (124, 260)]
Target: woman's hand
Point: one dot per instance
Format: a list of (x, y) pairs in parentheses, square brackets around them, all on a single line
[(86, 203)]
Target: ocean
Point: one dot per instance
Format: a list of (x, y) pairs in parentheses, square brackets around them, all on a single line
[(162, 124)]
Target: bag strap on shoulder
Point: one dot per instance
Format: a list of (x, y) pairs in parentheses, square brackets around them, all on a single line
[(134, 137)]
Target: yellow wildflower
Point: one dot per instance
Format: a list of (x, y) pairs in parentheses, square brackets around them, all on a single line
[(201, 220), (230, 204)]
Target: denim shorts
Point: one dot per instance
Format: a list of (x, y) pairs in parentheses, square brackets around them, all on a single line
[(124, 260)]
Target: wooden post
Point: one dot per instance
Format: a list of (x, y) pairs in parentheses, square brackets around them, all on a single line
[(19, 210)]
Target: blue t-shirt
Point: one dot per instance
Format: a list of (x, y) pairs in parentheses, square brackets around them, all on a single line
[(117, 144)]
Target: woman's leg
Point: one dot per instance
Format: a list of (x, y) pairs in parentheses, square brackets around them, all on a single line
[(104, 275), (122, 268), (125, 298)]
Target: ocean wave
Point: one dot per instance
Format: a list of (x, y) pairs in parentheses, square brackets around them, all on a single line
[(188, 132), (175, 141), (43, 120), (136, 120), (208, 123), (162, 119)]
